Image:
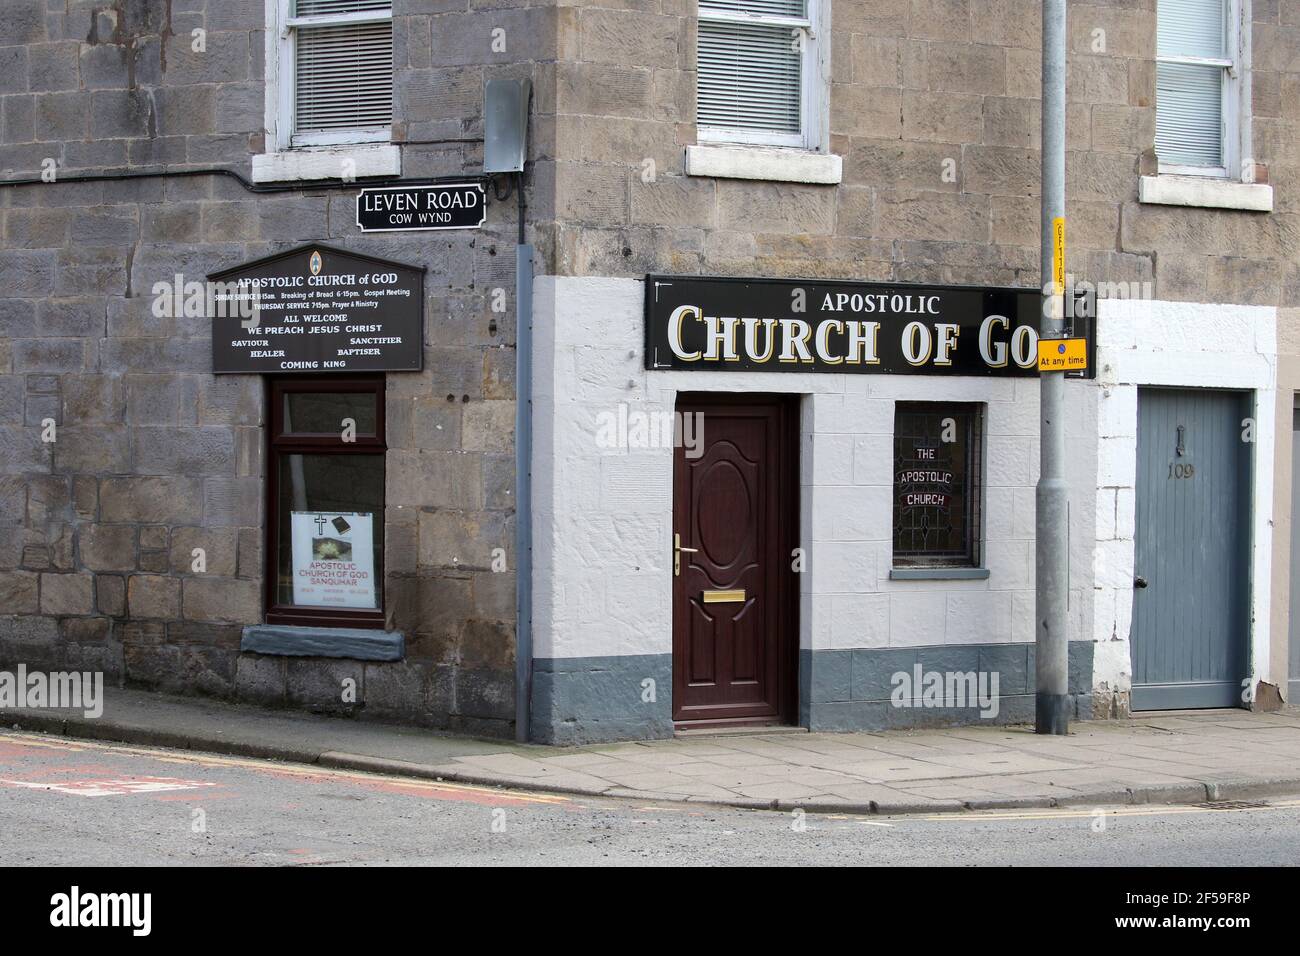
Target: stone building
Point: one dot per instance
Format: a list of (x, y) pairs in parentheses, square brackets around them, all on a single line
[(741, 155), (912, 161), (156, 456)]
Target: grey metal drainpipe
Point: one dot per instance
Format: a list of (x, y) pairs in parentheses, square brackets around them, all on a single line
[(523, 476)]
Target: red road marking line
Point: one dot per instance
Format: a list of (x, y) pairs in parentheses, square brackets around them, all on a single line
[(449, 790)]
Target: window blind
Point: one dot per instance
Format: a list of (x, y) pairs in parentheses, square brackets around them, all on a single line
[(1189, 114), (771, 8), (750, 75), (1191, 28), (1189, 96), (344, 74), (316, 8)]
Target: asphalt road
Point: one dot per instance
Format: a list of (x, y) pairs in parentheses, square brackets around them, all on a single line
[(65, 802)]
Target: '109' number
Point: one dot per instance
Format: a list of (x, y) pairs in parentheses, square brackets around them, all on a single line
[(1180, 470)]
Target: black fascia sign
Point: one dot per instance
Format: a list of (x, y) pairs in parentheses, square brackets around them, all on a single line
[(789, 325), (417, 208), (317, 309)]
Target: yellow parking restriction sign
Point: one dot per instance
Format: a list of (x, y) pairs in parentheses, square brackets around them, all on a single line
[(1062, 355)]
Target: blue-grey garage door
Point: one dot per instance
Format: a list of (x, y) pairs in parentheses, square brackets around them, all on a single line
[(1191, 598)]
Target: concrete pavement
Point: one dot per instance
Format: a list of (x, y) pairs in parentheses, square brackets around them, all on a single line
[(1187, 757)]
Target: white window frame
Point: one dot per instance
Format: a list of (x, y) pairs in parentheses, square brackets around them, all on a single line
[(281, 74), (1235, 111), (814, 121)]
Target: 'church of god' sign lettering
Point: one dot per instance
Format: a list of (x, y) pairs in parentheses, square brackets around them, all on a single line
[(784, 325)]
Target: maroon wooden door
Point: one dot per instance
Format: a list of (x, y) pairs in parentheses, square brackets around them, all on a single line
[(735, 502)]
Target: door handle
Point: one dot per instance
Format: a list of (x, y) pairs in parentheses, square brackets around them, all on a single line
[(1139, 582), (677, 554)]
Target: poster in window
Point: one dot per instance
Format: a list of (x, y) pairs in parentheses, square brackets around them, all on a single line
[(333, 559)]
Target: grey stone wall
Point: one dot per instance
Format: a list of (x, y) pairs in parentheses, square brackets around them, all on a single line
[(917, 84), (153, 455)]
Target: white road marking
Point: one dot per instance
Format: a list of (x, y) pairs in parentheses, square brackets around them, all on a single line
[(109, 788)]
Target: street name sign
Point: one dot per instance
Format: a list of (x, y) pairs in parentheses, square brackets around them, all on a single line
[(417, 208)]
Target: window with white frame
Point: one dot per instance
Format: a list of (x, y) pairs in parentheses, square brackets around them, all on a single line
[(335, 72), (758, 78), (1198, 87)]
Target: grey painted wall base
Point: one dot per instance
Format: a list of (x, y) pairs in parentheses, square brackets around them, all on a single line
[(579, 700), (595, 699), (353, 643), (851, 689)]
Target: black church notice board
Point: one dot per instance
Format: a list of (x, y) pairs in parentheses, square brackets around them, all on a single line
[(317, 309)]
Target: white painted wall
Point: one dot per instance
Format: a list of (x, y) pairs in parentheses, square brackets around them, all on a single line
[(603, 516), (849, 599), (1179, 344)]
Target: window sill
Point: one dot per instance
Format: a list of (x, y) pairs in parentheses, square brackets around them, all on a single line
[(1205, 192), (327, 162), (354, 643), (765, 163), (938, 574)]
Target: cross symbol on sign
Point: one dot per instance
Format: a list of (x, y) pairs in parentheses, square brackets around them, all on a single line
[(320, 525)]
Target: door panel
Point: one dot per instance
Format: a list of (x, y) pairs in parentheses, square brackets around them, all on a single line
[(735, 504), (1294, 628), (1190, 636)]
